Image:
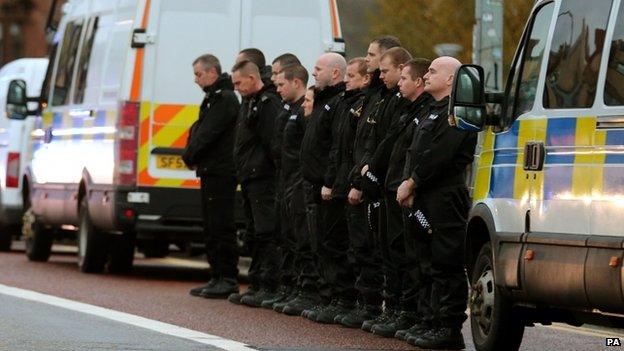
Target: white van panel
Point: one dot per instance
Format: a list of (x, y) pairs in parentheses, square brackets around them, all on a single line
[(299, 23)]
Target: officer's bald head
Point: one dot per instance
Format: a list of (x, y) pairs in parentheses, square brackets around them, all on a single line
[(439, 78), (329, 70)]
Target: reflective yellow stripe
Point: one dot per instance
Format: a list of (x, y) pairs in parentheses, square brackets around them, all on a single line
[(584, 157), (484, 167)]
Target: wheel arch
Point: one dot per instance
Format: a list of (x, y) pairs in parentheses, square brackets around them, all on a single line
[(480, 230)]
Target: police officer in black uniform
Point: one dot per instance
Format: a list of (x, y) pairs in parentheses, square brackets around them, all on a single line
[(369, 281), (378, 123), (325, 218), (346, 114), (256, 174), (294, 194), (291, 81), (257, 56), (209, 151), (435, 189), (390, 155)]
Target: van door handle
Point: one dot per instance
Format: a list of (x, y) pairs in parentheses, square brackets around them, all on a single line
[(534, 154)]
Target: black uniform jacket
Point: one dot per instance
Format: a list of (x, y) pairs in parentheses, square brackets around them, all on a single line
[(346, 114), (210, 144), (389, 158), (292, 136), (438, 154), (373, 92), (317, 140), (252, 152)]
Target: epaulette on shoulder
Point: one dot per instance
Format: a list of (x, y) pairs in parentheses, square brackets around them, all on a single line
[(264, 97)]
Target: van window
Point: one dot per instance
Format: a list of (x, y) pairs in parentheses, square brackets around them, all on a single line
[(521, 95), (66, 63), (85, 58), (614, 85), (575, 54), (45, 87)]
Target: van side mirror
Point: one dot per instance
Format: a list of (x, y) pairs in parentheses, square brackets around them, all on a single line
[(17, 102), (467, 104)]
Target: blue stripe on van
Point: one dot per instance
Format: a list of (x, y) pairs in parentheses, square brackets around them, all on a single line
[(100, 121), (557, 180), (614, 137), (507, 140), (57, 120), (502, 182), (77, 122), (560, 132)]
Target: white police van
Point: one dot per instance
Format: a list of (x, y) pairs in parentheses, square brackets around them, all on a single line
[(14, 140), (545, 240), (116, 110)]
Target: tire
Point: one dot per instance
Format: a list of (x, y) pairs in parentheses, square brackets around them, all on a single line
[(492, 321), (37, 237), (92, 244), (155, 248), (121, 253), (6, 238)]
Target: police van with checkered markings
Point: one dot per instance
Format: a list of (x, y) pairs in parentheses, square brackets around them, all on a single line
[(545, 239), (117, 104)]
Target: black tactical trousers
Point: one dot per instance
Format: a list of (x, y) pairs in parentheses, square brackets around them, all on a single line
[(442, 254), (286, 241), (363, 254), (217, 194), (315, 225), (304, 260), (334, 245), (259, 205), (393, 248)]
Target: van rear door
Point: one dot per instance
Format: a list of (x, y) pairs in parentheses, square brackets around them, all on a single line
[(177, 33)]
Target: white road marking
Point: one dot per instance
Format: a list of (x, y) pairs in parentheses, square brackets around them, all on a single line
[(606, 333), (126, 318)]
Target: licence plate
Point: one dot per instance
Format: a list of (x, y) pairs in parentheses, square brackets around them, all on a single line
[(173, 162)]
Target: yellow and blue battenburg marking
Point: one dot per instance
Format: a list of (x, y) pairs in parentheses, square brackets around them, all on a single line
[(581, 161)]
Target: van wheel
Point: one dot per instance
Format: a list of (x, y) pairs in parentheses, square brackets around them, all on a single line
[(492, 320), (6, 238), (37, 237), (121, 255), (92, 244), (155, 248)]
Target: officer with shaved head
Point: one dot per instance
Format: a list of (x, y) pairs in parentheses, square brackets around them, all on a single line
[(435, 191), (325, 217)]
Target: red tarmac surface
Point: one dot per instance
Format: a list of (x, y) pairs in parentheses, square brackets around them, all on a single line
[(158, 289), (161, 293)]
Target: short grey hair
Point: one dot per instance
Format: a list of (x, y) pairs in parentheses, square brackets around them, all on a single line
[(208, 61)]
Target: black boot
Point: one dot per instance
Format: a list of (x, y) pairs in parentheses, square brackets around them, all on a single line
[(312, 312), (235, 298), (335, 308), (304, 301), (256, 299), (282, 293), (221, 289), (384, 317), (356, 317), (401, 321), (416, 330), (279, 306), (197, 291), (440, 338)]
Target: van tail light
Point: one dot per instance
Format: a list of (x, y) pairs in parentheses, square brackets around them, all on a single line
[(12, 170), (126, 143)]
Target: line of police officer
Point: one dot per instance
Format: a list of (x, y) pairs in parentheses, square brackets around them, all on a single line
[(354, 189)]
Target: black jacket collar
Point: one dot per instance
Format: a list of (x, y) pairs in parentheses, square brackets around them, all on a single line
[(329, 91), (223, 82)]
